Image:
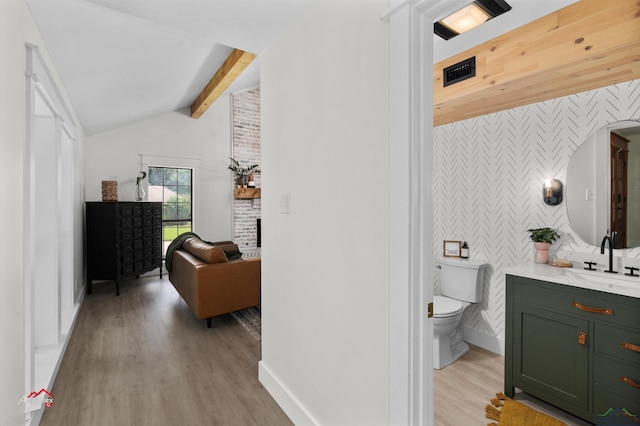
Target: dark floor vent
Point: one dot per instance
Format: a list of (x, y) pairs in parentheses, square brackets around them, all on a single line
[(460, 71)]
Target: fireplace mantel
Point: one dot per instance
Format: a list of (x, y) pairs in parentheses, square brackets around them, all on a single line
[(247, 193)]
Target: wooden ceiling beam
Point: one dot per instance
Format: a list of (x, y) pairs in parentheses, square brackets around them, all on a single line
[(584, 46), (232, 67)]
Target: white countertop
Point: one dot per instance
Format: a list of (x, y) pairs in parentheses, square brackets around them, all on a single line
[(578, 277)]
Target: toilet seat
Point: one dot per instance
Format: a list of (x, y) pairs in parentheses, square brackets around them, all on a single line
[(445, 307)]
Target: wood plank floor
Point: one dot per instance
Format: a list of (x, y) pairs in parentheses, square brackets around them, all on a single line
[(464, 388), (142, 358)]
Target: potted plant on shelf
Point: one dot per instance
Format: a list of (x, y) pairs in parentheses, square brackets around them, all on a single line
[(242, 173), (542, 239)]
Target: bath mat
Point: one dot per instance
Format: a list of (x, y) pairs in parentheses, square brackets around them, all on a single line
[(250, 320), (508, 412)]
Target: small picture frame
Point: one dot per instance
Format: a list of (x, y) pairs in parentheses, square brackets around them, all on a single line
[(451, 248)]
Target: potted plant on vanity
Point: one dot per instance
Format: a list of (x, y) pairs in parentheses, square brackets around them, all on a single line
[(542, 239), (243, 174)]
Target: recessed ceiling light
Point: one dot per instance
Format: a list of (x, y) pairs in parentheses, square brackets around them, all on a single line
[(469, 17)]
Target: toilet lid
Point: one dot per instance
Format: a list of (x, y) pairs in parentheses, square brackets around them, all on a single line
[(446, 307)]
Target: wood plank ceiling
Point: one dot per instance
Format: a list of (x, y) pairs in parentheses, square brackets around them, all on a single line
[(584, 46)]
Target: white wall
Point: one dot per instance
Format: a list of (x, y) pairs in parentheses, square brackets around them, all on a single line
[(488, 175), (178, 140), (16, 28), (12, 144), (325, 262)]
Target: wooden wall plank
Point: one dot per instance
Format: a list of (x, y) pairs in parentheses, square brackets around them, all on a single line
[(586, 45)]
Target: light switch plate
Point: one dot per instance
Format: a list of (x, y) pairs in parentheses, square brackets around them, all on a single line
[(285, 204), (589, 195)]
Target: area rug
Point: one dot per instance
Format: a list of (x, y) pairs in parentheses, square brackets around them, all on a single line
[(508, 412), (250, 320)]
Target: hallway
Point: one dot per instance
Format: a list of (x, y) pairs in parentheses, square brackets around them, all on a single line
[(142, 358)]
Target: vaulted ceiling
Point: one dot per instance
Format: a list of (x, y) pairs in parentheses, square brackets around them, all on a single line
[(123, 61)]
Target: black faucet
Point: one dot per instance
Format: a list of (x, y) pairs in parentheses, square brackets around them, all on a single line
[(612, 245)]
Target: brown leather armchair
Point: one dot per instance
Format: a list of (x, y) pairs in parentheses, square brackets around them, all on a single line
[(209, 283)]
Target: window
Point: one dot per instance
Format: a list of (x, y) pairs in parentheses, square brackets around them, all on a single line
[(172, 186)]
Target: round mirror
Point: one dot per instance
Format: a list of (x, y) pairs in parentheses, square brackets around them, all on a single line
[(603, 185)]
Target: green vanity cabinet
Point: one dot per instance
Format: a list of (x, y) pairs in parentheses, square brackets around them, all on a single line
[(547, 358), (574, 348)]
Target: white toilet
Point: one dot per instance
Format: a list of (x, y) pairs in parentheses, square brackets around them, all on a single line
[(460, 286)]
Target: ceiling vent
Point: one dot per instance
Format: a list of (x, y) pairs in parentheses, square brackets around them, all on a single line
[(460, 71)]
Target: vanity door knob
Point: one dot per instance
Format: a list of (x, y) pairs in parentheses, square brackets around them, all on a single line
[(582, 338)]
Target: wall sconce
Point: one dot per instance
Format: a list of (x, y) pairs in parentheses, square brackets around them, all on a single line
[(552, 192)]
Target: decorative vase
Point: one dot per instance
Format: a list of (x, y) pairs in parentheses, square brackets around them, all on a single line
[(542, 252), (139, 193)]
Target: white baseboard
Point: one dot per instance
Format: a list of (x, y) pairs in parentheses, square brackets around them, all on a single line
[(34, 419), (485, 341), (48, 359), (285, 399)]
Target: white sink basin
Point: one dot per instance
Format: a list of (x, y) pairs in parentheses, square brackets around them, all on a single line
[(602, 280), (577, 277)]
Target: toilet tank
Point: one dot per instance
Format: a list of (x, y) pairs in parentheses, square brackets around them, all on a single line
[(461, 279)]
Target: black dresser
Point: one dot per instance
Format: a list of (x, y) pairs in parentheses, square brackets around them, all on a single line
[(124, 240)]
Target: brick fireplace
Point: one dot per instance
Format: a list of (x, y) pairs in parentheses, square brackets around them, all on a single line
[(246, 148)]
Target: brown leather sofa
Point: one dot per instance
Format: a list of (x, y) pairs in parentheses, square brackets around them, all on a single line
[(210, 283)]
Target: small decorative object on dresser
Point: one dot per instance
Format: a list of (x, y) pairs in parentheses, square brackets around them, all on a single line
[(139, 193), (542, 239), (109, 190)]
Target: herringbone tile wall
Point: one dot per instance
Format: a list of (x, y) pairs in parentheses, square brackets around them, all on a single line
[(488, 175)]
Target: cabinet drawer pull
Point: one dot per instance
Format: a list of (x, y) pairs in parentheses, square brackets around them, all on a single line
[(631, 347), (629, 382), (605, 311)]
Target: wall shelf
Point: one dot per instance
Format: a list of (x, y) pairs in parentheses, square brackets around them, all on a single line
[(246, 193)]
